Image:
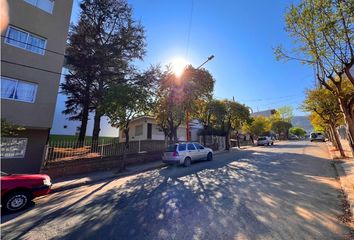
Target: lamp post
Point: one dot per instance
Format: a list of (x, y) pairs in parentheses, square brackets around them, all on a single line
[(188, 135)]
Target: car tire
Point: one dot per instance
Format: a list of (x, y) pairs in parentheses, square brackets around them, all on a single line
[(210, 157), (187, 162), (272, 143), (16, 201)]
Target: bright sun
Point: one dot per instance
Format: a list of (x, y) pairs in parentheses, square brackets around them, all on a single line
[(178, 65)]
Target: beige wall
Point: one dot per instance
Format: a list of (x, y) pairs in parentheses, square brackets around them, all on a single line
[(54, 28), (155, 134)]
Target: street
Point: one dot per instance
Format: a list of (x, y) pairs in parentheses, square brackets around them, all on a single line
[(285, 191)]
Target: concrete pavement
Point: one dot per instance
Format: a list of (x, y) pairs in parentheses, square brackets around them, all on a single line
[(287, 191)]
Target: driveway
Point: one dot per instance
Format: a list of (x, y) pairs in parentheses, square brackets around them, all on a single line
[(286, 191)]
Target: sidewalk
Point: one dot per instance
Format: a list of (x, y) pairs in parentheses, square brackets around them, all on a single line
[(69, 182), (345, 169)]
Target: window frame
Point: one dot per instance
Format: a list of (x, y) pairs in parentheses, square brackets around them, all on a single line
[(7, 38), (24, 150), (17, 81), (36, 6), (199, 146)]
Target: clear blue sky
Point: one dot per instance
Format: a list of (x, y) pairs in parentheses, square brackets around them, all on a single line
[(241, 35)]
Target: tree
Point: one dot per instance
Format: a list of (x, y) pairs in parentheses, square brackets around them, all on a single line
[(178, 96), (324, 104), (285, 113), (236, 115), (122, 103), (9, 129), (100, 50), (297, 131), (281, 128), (208, 113), (324, 34), (258, 126)]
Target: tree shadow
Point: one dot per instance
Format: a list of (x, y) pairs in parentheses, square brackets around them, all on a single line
[(244, 195)]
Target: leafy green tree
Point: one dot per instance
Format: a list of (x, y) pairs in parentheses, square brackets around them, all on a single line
[(297, 131), (281, 128), (258, 126), (236, 115), (323, 103), (122, 103), (324, 35), (100, 52), (178, 96), (286, 113)]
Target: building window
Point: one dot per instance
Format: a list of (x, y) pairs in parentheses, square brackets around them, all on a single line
[(139, 130), (13, 147), (18, 90), (45, 5), (25, 40)]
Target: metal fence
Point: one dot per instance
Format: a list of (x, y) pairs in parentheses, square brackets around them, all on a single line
[(71, 150), (217, 142)]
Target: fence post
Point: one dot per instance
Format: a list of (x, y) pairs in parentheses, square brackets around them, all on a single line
[(102, 148), (139, 150)]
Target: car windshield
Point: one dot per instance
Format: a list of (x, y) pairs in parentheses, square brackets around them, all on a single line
[(261, 138), (171, 148)]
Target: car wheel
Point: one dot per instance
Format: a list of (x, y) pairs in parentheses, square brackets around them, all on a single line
[(210, 156), (187, 161), (16, 201), (272, 143)]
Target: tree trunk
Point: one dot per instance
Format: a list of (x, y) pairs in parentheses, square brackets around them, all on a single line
[(126, 133), (337, 140), (204, 134), (331, 137), (83, 127), (348, 118), (96, 129)]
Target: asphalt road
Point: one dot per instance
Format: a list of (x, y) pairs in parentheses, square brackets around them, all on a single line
[(286, 191)]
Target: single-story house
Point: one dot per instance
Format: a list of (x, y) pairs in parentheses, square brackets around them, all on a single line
[(146, 128)]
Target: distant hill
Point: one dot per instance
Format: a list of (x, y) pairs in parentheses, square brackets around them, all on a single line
[(302, 121)]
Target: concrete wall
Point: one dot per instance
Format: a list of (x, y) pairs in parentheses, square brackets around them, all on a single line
[(31, 163)]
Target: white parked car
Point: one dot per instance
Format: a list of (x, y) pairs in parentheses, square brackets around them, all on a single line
[(317, 136), (186, 153), (265, 141)]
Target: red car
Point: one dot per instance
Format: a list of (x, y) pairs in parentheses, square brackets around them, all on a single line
[(17, 190)]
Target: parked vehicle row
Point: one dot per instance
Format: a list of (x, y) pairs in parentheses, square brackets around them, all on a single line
[(265, 140)]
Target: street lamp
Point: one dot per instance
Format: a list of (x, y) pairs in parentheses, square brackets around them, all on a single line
[(187, 113)]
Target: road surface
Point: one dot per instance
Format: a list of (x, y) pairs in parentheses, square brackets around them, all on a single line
[(285, 191)]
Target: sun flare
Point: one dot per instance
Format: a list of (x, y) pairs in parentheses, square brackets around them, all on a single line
[(178, 65)]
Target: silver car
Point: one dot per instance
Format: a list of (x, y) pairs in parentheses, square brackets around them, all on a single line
[(186, 153), (265, 141)]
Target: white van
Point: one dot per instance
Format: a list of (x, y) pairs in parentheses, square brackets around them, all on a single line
[(317, 136)]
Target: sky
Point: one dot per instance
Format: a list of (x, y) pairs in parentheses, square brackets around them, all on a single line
[(240, 34)]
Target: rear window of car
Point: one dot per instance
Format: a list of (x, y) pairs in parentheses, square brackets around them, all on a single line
[(171, 148), (182, 147)]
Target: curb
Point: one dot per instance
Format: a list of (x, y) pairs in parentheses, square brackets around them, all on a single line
[(341, 175), (117, 175)]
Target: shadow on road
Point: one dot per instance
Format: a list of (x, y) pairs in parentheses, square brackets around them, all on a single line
[(242, 195)]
